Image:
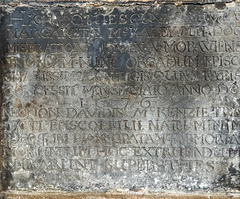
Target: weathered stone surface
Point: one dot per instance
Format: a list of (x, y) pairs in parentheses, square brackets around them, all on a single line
[(49, 195), (128, 98), (14, 2)]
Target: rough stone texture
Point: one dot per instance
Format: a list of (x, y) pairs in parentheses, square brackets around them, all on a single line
[(114, 196), (121, 98), (14, 2)]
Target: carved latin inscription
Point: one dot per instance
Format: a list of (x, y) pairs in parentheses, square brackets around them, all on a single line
[(102, 98)]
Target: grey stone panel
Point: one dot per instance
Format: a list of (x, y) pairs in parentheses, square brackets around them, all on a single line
[(101, 98)]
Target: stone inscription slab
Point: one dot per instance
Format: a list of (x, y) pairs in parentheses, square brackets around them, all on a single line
[(121, 98)]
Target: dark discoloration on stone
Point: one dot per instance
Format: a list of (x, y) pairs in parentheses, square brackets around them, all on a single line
[(129, 98), (4, 178)]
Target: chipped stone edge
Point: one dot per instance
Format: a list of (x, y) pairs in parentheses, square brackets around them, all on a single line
[(126, 3), (111, 195), (115, 2)]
